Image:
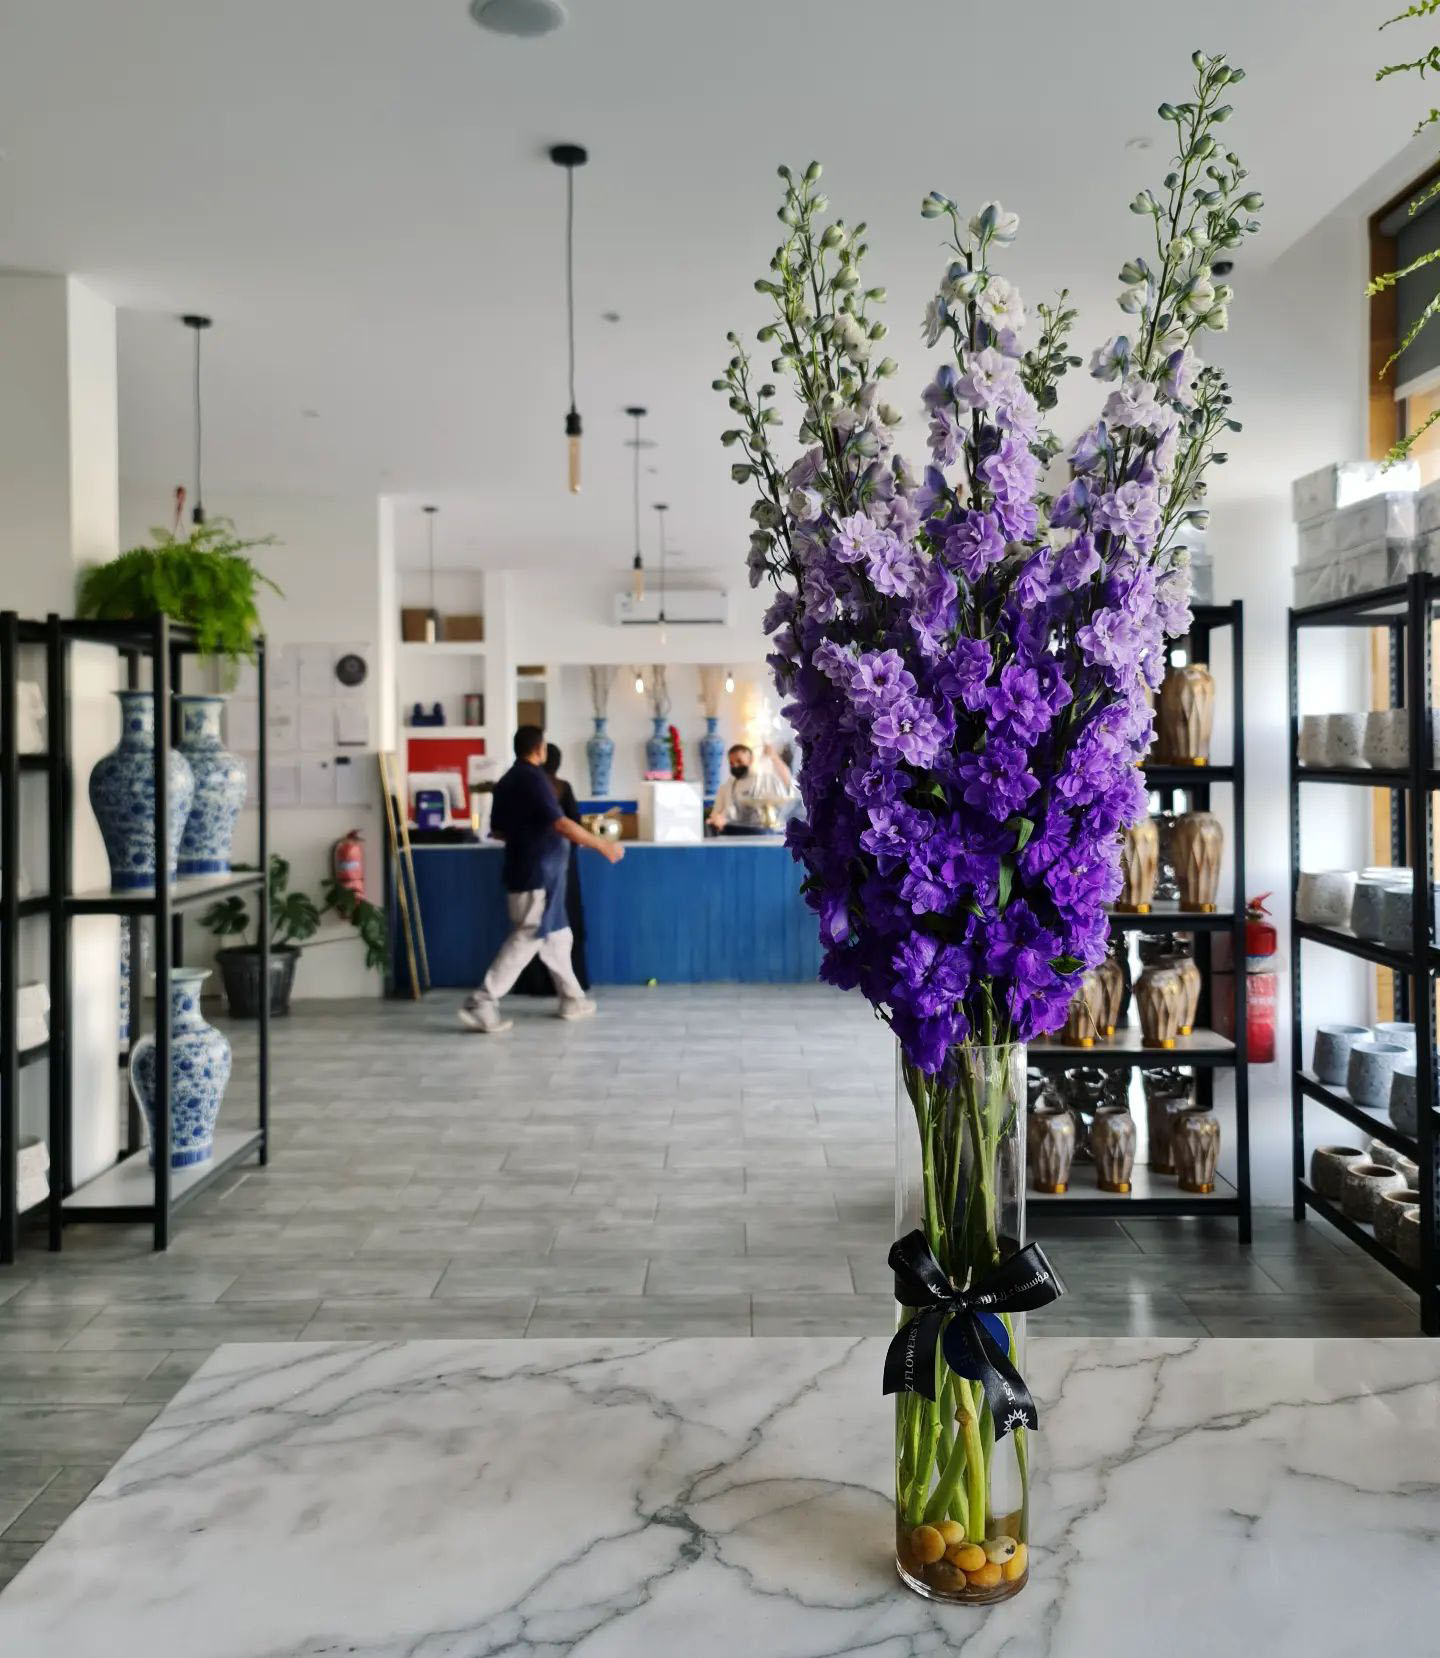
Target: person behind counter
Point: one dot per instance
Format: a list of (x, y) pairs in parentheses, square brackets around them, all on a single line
[(535, 980), (746, 805), (526, 815)]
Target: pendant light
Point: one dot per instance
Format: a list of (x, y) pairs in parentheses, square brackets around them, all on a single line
[(637, 566), (729, 682), (433, 628), (197, 325), (571, 156), (661, 508)]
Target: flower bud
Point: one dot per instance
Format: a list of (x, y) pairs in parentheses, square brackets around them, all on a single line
[(889, 414), (812, 173)]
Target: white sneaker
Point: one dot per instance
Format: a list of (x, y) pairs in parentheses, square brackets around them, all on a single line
[(480, 1016), (584, 1008)]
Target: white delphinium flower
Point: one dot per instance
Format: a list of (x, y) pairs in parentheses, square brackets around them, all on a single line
[(934, 324), (1109, 360), (994, 221), (999, 303)]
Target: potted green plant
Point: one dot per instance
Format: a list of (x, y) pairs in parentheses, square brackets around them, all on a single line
[(295, 918), (202, 579)]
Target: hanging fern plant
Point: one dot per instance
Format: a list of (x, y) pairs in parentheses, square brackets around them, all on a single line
[(202, 579)]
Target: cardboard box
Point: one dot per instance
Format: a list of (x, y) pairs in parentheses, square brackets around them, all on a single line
[(465, 629), (530, 713), (412, 624)]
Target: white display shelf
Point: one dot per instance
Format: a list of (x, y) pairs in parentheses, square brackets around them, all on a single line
[(443, 647), (130, 1183), (445, 732)]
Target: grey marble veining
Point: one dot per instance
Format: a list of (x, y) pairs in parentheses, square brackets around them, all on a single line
[(629, 1498)]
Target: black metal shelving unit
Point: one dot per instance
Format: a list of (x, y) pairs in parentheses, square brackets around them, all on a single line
[(129, 1191), (1206, 1052), (15, 632), (1405, 611)]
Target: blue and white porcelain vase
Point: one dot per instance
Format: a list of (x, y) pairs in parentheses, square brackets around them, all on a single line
[(658, 759), (199, 1071), (122, 793), (599, 753), (712, 756), (219, 788)]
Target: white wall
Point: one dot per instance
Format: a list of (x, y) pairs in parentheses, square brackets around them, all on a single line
[(58, 471), (327, 562), (1296, 356)]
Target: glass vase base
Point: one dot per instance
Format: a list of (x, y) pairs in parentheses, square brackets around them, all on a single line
[(937, 1589)]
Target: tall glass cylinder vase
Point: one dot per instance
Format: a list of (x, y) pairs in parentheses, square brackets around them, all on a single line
[(962, 1491)]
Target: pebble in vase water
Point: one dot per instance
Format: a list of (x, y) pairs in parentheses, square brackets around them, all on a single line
[(1199, 846), (1195, 1149), (199, 1072), (1050, 1147), (1187, 715), (1112, 1144), (122, 793), (219, 788), (1139, 859)]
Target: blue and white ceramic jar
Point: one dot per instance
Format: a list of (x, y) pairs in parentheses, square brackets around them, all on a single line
[(219, 787), (122, 793), (599, 753), (199, 1071), (658, 758), (712, 756)]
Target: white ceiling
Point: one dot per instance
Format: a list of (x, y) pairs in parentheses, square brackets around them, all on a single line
[(357, 191)]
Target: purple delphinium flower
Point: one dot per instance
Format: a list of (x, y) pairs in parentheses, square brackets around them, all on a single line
[(1132, 511), (910, 731), (881, 678), (973, 544)]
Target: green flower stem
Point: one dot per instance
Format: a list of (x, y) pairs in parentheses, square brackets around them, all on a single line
[(976, 1468)]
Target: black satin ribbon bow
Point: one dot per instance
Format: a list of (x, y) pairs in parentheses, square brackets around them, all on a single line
[(1020, 1283)]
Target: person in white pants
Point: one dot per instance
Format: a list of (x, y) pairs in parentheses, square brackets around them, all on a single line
[(527, 816)]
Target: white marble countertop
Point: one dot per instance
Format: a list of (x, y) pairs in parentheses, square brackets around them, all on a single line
[(689, 1498)]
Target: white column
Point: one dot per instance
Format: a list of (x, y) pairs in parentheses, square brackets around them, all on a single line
[(59, 510)]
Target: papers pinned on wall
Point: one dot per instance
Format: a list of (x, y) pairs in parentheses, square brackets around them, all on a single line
[(318, 700)]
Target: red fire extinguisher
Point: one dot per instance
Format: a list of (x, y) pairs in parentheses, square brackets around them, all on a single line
[(348, 862)]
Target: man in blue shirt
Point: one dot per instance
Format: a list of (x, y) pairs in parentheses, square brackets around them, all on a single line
[(526, 815)]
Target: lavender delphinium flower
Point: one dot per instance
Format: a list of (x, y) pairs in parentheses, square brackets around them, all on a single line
[(963, 655)]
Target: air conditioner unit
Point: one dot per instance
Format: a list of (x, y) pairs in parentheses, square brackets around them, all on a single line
[(704, 606)]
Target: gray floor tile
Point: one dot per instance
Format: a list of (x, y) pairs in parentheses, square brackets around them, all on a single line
[(114, 1329), (74, 1378), (613, 1275), (823, 1315), (749, 1274), (648, 1315), (1143, 1313), (461, 1317), (75, 1431), (1304, 1315), (367, 1279)]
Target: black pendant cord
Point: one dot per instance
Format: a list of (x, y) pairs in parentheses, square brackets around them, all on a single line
[(660, 510), (199, 510), (430, 524), (570, 279), (636, 490)]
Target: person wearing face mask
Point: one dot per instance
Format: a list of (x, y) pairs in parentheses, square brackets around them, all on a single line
[(745, 805)]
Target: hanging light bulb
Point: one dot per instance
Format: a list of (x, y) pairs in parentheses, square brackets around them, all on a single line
[(729, 682), (198, 325), (571, 156), (432, 616), (639, 685), (661, 508), (637, 564)]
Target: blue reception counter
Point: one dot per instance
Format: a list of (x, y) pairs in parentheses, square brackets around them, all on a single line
[(727, 910)]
